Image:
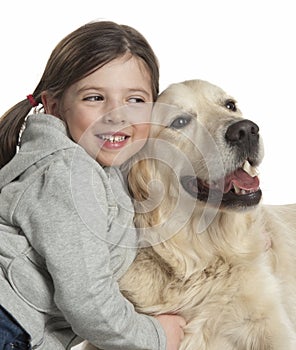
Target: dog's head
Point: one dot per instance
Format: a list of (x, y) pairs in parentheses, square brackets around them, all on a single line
[(207, 146)]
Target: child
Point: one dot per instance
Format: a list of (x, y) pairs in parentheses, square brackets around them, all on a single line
[(65, 218)]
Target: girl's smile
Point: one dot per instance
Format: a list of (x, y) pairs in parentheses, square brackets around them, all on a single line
[(113, 140)]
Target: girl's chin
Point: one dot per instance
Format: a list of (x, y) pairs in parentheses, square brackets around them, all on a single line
[(107, 157), (113, 159)]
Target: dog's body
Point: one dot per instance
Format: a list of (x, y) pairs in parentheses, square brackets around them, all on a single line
[(213, 253)]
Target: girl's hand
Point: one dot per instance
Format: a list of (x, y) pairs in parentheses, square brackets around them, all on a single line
[(173, 327)]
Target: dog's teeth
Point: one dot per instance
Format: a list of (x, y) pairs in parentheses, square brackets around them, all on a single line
[(237, 190), (248, 168)]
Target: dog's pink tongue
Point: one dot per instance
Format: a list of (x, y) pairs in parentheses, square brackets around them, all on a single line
[(241, 179)]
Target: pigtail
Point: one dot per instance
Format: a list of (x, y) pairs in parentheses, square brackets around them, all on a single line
[(10, 126)]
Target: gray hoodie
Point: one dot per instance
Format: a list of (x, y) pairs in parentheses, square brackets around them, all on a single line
[(66, 236)]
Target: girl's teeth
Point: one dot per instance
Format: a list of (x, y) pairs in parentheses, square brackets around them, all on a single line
[(113, 138)]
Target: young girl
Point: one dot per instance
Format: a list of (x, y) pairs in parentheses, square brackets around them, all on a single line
[(65, 218)]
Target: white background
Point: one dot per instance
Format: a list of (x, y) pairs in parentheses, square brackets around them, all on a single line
[(246, 47)]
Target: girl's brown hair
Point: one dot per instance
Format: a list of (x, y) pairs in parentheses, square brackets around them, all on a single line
[(76, 56)]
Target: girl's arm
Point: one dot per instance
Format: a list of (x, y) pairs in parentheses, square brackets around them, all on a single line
[(74, 244)]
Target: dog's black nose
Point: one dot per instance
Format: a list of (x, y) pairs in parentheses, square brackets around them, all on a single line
[(244, 134)]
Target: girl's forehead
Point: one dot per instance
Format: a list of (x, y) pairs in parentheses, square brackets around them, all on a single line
[(125, 70), (127, 61), (120, 76)]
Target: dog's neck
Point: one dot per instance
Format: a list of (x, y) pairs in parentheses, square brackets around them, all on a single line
[(231, 236)]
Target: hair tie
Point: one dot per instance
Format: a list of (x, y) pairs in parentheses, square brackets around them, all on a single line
[(32, 101)]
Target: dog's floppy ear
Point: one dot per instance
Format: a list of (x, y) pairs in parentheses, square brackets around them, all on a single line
[(144, 191), (139, 177)]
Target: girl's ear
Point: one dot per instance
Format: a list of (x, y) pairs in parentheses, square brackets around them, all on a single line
[(50, 104)]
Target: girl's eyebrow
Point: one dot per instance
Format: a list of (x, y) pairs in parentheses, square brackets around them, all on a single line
[(99, 88), (88, 87), (136, 90)]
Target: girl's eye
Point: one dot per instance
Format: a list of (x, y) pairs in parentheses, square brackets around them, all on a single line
[(231, 105), (94, 98), (136, 100), (181, 122)]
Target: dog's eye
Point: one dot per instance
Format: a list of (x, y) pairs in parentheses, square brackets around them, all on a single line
[(181, 122), (230, 104)]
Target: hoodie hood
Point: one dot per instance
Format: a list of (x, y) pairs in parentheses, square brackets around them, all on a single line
[(44, 134)]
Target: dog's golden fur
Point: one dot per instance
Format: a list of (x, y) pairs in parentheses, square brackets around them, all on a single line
[(228, 268)]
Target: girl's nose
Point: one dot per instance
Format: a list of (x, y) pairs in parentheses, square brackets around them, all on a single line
[(116, 115)]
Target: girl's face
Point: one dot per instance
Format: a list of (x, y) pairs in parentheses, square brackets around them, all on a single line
[(108, 112)]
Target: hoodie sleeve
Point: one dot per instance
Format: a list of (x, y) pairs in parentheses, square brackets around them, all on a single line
[(64, 215)]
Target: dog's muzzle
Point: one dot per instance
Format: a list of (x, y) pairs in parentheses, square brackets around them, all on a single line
[(239, 188)]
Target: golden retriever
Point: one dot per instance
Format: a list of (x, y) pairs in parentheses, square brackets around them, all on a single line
[(211, 251)]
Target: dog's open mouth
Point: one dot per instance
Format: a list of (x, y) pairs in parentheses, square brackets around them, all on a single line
[(237, 189)]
